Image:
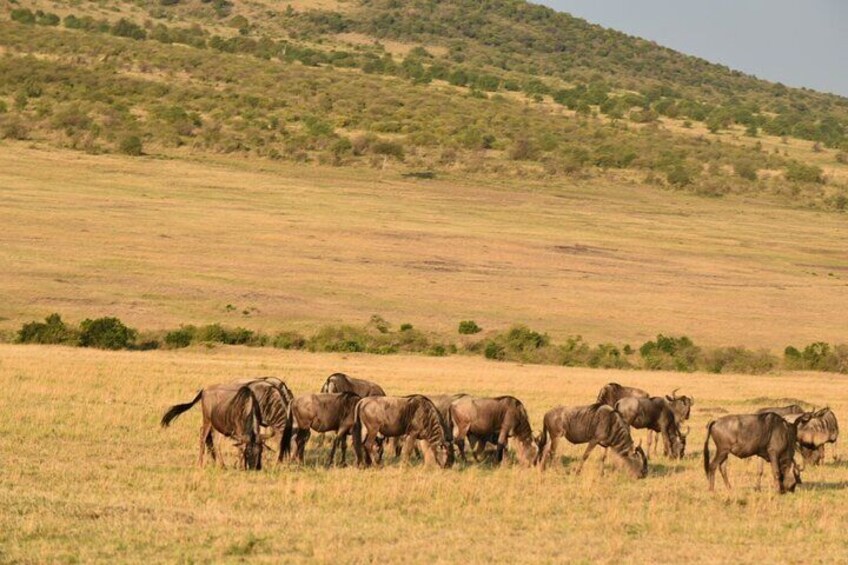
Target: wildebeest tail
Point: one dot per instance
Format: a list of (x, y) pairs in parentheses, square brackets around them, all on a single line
[(707, 447), (541, 442), (288, 430), (178, 409), (357, 435)]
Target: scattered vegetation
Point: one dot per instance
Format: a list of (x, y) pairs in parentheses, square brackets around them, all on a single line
[(350, 105), (518, 344)]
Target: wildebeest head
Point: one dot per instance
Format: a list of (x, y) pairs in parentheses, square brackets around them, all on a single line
[(637, 462), (444, 454), (678, 444), (790, 477), (251, 449), (680, 405)]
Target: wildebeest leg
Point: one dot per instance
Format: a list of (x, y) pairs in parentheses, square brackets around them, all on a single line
[(723, 468), (604, 460), (206, 441), (650, 439), (343, 456), (301, 437), (761, 466), (586, 453), (371, 454), (775, 471), (479, 449), (502, 439), (549, 451), (459, 434), (460, 445), (333, 450), (406, 448)]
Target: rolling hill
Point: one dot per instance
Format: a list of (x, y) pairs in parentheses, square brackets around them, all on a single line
[(495, 88)]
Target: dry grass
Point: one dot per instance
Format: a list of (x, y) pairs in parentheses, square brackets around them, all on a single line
[(161, 242), (89, 476)]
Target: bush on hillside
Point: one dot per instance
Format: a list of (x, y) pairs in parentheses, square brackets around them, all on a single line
[(739, 360), (51, 331), (469, 327), (106, 333), (670, 354)]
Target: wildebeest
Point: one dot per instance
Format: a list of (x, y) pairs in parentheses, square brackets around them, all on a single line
[(613, 392), (782, 410), (274, 397), (767, 435), (595, 424), (655, 414), (322, 412), (339, 382), (443, 403), (233, 411), (488, 418), (414, 417), (813, 434)]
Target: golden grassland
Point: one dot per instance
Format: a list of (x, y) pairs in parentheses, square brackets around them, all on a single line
[(87, 474), (158, 242)]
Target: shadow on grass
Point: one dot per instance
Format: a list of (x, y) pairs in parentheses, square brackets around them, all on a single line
[(665, 469), (838, 485)]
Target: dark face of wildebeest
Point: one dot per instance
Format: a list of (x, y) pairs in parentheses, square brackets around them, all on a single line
[(252, 454)]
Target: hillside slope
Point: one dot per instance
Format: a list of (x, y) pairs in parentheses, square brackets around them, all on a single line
[(504, 88)]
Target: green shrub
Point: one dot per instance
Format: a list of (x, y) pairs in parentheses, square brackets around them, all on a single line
[(339, 338), (23, 16), (670, 353), (126, 28), (181, 338), (679, 176), (799, 172), (405, 327), (468, 327), (289, 340), (216, 333), (51, 331), (739, 360), (494, 351), (745, 169), (607, 356), (13, 127), (131, 145), (818, 356), (106, 333), (390, 148)]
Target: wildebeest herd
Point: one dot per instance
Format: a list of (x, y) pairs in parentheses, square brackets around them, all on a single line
[(252, 411)]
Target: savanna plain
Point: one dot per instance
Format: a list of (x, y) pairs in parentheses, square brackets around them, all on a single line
[(86, 474)]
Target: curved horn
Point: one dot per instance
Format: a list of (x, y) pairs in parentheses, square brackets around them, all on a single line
[(266, 437), (687, 432), (674, 393)]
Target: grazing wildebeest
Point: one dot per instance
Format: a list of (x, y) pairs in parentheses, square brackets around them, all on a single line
[(274, 397), (323, 412), (233, 411), (783, 410), (821, 429), (443, 403), (489, 418), (766, 435), (613, 392), (595, 424), (339, 382), (414, 417), (655, 414)]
